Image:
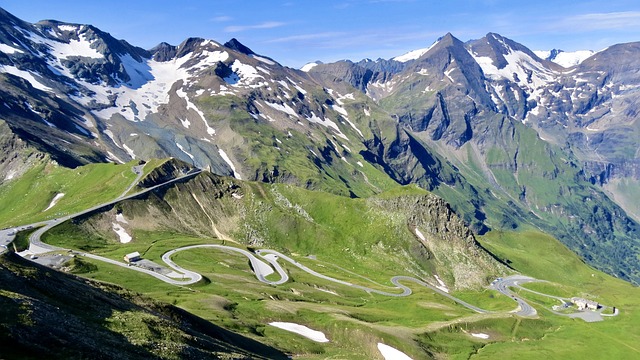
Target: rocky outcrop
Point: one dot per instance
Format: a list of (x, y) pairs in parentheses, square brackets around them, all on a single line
[(447, 238), (170, 169), (16, 156)]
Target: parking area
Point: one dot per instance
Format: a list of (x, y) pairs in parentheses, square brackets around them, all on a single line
[(150, 265), (54, 260)]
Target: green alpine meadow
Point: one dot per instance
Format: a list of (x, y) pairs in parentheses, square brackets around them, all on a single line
[(474, 199)]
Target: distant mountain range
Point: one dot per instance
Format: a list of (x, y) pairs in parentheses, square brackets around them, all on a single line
[(563, 58), (510, 137)]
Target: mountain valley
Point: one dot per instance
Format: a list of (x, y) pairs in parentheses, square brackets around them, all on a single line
[(455, 165)]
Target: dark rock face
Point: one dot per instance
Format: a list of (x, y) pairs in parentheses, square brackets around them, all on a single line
[(163, 52), (238, 46), (353, 74)]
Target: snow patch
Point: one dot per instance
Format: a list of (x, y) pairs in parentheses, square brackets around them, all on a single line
[(569, 59), (480, 335), (41, 115), (308, 67), (448, 74), (282, 107), (113, 157), (262, 59), (10, 175), (120, 218), (359, 164), (129, 151), (149, 85), (54, 201), (420, 235), (68, 28), (339, 109), (566, 59), (326, 123), (9, 49), (520, 64), (63, 50), (122, 233), (226, 158), (343, 112), (391, 353), (27, 75), (246, 72), (190, 105), (139, 72), (317, 336), (301, 90), (110, 134), (412, 55), (147, 97), (81, 129), (442, 285), (284, 84), (184, 151)]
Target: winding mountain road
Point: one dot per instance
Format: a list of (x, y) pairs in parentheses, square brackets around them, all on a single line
[(36, 246), (263, 263), (502, 285)]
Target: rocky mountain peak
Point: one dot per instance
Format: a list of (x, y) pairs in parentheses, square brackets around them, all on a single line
[(236, 45), (446, 41), (503, 51), (97, 39), (163, 52)]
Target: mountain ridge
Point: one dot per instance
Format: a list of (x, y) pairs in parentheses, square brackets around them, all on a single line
[(484, 124)]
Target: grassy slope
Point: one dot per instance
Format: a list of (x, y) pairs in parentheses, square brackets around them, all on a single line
[(311, 158), (347, 246), (349, 239), (543, 257), (25, 199), (47, 314)]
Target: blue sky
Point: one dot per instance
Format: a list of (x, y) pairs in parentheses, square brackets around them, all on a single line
[(297, 32)]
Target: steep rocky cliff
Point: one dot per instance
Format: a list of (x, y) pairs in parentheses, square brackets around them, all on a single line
[(452, 245), (16, 156)]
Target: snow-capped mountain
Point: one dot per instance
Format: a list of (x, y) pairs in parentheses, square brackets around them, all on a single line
[(508, 137), (565, 59), (495, 110), (120, 102)]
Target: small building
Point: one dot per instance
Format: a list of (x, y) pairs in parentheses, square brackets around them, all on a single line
[(584, 304), (133, 257)]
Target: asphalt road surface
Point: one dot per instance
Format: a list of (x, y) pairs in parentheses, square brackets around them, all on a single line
[(503, 284), (262, 265), (37, 246)]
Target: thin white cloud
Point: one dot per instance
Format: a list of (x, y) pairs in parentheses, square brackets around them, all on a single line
[(600, 21), (264, 25), (338, 40), (222, 19), (305, 37)]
